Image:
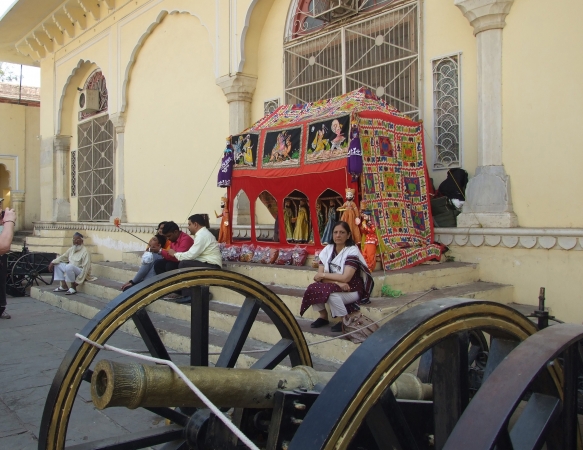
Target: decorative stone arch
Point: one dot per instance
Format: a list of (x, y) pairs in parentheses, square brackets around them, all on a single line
[(84, 68), (254, 20), (141, 41), (5, 182)]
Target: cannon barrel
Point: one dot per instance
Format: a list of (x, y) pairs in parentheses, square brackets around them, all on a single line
[(135, 385)]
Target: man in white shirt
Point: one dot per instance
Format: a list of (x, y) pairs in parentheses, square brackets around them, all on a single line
[(205, 251), (73, 266)]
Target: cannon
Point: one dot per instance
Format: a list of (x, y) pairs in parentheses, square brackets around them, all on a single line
[(447, 374), (25, 269)]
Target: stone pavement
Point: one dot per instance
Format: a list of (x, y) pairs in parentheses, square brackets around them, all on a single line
[(32, 346)]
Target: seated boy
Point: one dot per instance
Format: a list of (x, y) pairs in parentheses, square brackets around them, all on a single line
[(150, 256)]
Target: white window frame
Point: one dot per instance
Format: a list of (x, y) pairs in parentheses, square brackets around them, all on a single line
[(437, 164)]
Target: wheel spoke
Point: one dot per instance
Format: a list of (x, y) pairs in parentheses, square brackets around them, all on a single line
[(150, 335), (275, 355), (239, 333), (569, 412), (450, 385), (388, 425), (199, 326), (138, 440), (529, 430), (499, 349)]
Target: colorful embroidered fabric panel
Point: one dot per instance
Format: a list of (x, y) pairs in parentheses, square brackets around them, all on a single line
[(394, 188), (360, 100)]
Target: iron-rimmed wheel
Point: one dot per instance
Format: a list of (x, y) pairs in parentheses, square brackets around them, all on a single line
[(356, 405), (533, 374), (131, 305), (32, 269)]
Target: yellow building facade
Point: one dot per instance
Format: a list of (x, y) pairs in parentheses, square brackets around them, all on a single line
[(181, 75)]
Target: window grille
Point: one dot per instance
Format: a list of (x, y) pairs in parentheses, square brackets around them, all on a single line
[(74, 173), (446, 111), (95, 169), (270, 105), (380, 52)]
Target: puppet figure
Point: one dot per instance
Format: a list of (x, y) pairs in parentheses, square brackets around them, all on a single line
[(248, 151), (288, 215), (226, 170), (350, 214), (321, 218), (371, 240), (339, 139), (354, 154), (302, 229), (224, 232), (326, 237)]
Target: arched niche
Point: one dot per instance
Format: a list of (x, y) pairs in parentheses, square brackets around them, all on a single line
[(241, 217), (266, 223), (296, 218), (5, 185), (327, 214)]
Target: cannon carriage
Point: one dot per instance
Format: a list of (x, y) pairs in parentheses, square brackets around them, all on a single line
[(446, 374), (25, 269)]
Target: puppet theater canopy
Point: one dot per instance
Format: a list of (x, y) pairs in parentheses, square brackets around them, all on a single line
[(305, 148)]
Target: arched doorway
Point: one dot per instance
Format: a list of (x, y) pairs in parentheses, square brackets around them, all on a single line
[(5, 185)]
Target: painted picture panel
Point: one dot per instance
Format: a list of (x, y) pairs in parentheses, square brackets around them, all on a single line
[(328, 140), (282, 148), (245, 150)]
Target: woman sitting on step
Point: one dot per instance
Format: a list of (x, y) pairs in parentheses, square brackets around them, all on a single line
[(343, 279)]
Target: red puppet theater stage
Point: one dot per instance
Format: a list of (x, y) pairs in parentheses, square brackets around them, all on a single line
[(296, 162)]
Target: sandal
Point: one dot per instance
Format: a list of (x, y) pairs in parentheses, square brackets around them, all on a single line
[(337, 328), (319, 322), (71, 291), (60, 289)]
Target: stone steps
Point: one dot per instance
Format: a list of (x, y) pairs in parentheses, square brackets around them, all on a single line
[(174, 325), (415, 279)]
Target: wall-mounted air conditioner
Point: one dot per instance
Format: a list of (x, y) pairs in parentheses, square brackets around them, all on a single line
[(89, 100)]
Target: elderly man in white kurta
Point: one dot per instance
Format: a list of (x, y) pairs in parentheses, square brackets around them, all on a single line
[(73, 266)]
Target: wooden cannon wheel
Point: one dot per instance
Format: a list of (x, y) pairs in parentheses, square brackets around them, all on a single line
[(357, 410), (130, 305)]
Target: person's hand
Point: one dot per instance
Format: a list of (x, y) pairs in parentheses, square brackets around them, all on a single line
[(51, 266), (357, 221), (9, 214), (319, 277), (343, 286), (171, 252)]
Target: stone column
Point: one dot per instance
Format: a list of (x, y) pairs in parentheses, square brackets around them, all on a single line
[(239, 90), (119, 204), (61, 169), (17, 203), (488, 200)]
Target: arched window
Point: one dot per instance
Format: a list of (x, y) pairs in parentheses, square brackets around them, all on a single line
[(336, 47), (92, 180)]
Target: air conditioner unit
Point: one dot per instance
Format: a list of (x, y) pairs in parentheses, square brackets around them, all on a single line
[(331, 10), (89, 100)]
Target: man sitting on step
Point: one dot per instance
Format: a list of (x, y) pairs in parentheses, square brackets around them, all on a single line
[(179, 242), (150, 256), (73, 266)]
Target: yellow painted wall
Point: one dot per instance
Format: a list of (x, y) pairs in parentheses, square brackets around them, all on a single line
[(528, 270), (177, 119), (439, 41), (543, 108), (19, 128), (31, 167)]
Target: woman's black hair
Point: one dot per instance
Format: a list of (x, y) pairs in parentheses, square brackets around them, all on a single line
[(160, 224), (201, 219), (161, 240), (349, 242)]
